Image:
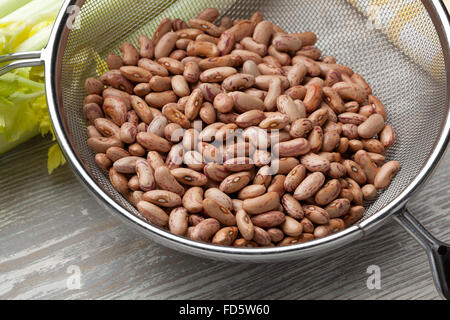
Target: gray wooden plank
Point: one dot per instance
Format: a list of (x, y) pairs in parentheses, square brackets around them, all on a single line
[(49, 223)]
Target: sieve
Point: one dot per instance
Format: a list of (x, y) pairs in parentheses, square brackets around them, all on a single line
[(402, 51)]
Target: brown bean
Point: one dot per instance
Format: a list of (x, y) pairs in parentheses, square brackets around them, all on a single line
[(208, 38), (160, 99), (371, 127), (245, 243), (355, 172), (316, 214), (291, 227), (329, 192), (351, 118), (222, 61), (261, 236), (116, 153), (350, 91), (205, 26), (378, 106), (133, 184), (283, 166), (244, 102), (225, 236), (217, 74), (369, 192), (214, 210), (263, 32), (338, 208), (162, 198), (178, 55), (130, 55), (153, 142), (103, 161), (115, 79), (194, 104), (193, 199), (191, 72), (142, 89), (245, 224), (216, 172), (386, 173), (239, 81), (153, 213), (107, 128), (353, 216), (126, 164), (294, 178), (202, 49), (178, 221), (277, 185), (322, 231), (264, 203), (166, 181), (114, 61), (142, 109), (311, 52), (189, 177), (337, 170), (157, 125), (308, 38), (101, 144), (373, 145), (205, 230), (355, 190), (155, 68), (208, 14), (309, 186), (313, 97), (220, 197), (165, 45), (292, 148), (115, 109), (387, 136), (292, 207), (315, 163), (275, 234), (304, 237), (93, 86), (136, 74), (238, 164), (268, 219), (235, 182), (225, 23), (286, 42)]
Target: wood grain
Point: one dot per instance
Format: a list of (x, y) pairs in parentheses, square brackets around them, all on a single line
[(49, 223)]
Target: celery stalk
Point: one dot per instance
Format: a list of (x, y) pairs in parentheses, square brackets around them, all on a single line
[(25, 25), (8, 6)]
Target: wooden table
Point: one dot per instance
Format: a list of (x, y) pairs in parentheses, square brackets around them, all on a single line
[(52, 230)]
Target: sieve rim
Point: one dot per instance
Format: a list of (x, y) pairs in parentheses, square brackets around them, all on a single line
[(53, 56)]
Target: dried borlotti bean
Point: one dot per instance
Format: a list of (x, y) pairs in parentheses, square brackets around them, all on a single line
[(238, 133)]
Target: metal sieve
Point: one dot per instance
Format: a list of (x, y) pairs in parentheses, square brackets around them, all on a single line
[(402, 51)]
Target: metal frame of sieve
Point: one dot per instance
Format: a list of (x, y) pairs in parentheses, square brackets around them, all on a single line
[(67, 63)]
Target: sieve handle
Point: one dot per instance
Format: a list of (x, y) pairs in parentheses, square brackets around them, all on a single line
[(438, 252), (21, 60)]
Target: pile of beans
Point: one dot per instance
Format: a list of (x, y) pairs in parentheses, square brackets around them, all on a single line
[(238, 133)]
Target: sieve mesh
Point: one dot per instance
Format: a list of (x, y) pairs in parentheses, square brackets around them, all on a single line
[(410, 82)]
